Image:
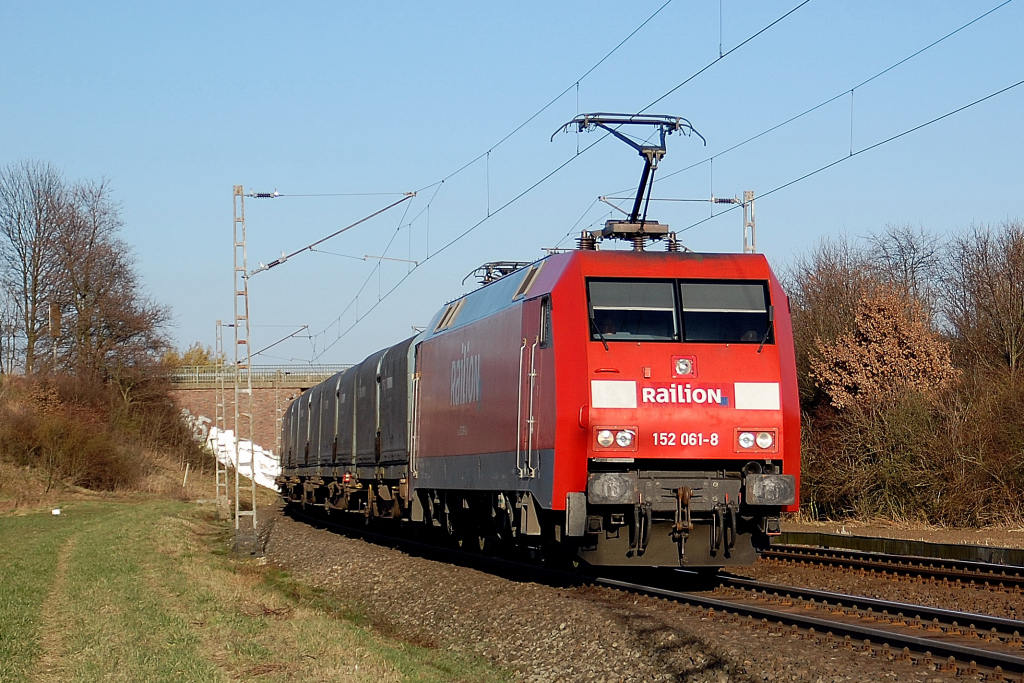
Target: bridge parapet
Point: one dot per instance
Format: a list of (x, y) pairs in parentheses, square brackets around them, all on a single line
[(263, 376)]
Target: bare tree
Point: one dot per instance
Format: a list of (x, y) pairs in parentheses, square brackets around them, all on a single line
[(825, 288), (32, 195), (195, 354), (110, 324), (9, 331), (59, 250), (984, 294), (910, 260)]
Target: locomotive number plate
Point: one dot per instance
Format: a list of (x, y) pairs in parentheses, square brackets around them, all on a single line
[(685, 439)]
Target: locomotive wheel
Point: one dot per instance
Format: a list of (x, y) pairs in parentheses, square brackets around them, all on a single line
[(476, 542), (446, 521), (503, 519)]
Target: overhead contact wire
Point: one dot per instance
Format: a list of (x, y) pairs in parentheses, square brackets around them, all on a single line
[(723, 56), (458, 238), (599, 140), (557, 97), (341, 194), (354, 299), (861, 151), (830, 100), (659, 99)]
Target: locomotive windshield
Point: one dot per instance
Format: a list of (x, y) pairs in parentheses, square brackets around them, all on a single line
[(633, 310), (648, 310), (724, 312)]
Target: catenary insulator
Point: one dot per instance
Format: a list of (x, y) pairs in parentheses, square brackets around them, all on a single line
[(586, 241)]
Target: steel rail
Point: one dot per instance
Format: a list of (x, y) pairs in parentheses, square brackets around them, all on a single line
[(924, 614), (965, 571), (874, 637)]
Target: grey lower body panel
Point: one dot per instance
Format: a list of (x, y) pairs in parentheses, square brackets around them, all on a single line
[(612, 548), (488, 472)]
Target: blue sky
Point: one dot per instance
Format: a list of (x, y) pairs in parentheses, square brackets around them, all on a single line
[(176, 103)]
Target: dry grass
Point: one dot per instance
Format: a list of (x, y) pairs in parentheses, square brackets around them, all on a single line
[(25, 489), (147, 590)]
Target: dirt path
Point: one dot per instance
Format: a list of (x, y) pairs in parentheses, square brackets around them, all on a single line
[(51, 629)]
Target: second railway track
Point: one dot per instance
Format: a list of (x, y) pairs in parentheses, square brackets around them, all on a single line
[(964, 572), (943, 644)]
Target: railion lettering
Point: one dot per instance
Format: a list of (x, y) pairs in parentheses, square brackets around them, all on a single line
[(683, 393), (466, 378)]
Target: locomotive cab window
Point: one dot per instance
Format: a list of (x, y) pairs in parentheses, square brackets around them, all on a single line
[(725, 312), (632, 310)]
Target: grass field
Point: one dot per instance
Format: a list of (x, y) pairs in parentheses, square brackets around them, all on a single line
[(147, 591)]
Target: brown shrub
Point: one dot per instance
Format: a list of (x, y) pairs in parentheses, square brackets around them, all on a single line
[(955, 459), (824, 288), (867, 461), (83, 433), (890, 350)]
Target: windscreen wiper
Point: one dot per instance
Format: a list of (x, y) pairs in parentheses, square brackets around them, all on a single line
[(593, 325), (771, 327)]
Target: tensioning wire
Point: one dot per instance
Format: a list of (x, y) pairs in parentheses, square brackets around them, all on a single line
[(861, 151)]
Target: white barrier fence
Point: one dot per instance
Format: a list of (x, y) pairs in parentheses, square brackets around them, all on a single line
[(266, 464)]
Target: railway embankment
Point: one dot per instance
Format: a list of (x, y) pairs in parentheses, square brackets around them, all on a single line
[(1004, 536)]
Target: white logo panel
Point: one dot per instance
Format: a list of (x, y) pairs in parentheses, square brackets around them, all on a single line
[(757, 395), (612, 394)]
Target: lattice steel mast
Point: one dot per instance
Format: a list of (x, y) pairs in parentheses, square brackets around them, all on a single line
[(243, 427)]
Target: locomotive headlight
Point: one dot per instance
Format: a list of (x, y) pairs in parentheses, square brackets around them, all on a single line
[(746, 439), (605, 438), (684, 366), (764, 440), (624, 439)]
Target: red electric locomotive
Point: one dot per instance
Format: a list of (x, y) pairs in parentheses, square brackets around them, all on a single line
[(632, 408), (621, 407)]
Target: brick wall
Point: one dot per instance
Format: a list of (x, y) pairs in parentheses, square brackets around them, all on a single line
[(264, 408)]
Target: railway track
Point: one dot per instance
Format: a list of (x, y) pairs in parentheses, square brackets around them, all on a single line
[(958, 642), (934, 639), (959, 572)]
